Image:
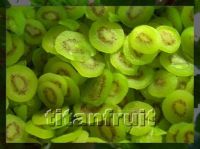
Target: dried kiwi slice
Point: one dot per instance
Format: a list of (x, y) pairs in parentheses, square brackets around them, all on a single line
[(50, 94), (171, 39), (176, 64), (99, 12), (34, 32), (178, 106), (38, 131), (187, 14), (48, 41), (186, 134), (74, 12), (50, 15), (164, 83), (119, 61), (145, 39), (15, 129), (119, 89), (106, 36), (132, 16), (21, 83), (14, 48), (97, 90), (142, 78), (73, 46), (90, 68), (135, 57)]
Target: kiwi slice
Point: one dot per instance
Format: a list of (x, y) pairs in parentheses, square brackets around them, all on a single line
[(187, 14), (135, 57), (73, 46), (38, 131), (142, 78), (14, 49), (56, 79), (57, 66), (99, 12), (48, 41), (90, 68), (21, 83), (96, 90), (178, 106), (119, 89), (158, 21), (50, 15), (50, 94), (186, 134), (119, 61), (106, 36), (140, 15), (187, 43), (164, 83), (145, 39), (15, 129), (171, 39), (34, 32), (176, 64), (75, 12)]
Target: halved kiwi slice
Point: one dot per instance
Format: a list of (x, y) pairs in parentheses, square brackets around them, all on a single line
[(90, 68), (95, 91), (187, 16), (14, 48), (50, 15), (21, 83), (119, 89), (106, 36), (145, 39), (99, 12), (141, 79), (133, 16), (176, 64), (74, 12), (119, 61), (178, 106), (34, 32), (15, 129), (48, 41), (73, 46), (171, 39), (135, 57), (164, 83), (186, 134)]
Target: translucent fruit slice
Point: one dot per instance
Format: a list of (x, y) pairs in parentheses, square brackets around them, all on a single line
[(145, 39), (186, 134), (171, 39), (106, 37), (21, 83)]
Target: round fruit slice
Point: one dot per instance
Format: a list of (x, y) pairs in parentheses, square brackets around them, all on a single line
[(119, 61), (97, 90), (90, 68), (133, 16), (14, 48), (135, 57), (106, 36), (176, 64), (15, 129), (75, 12), (21, 83), (187, 16), (178, 106), (142, 79), (48, 41), (186, 134), (145, 39), (164, 83), (119, 89), (50, 94), (73, 46), (171, 39)]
